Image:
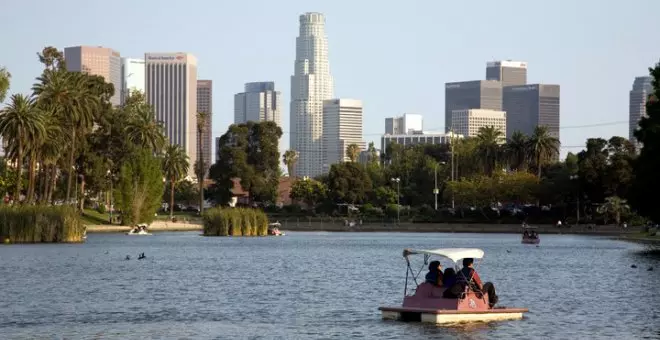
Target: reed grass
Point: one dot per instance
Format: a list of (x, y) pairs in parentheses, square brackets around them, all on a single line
[(40, 224), (235, 222)]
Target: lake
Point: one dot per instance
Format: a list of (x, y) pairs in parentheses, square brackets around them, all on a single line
[(315, 286)]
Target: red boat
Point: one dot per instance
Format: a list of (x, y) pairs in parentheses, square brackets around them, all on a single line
[(427, 304), (530, 236), (274, 229)]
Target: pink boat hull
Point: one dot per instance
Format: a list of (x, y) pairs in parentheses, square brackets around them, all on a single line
[(428, 305), (531, 240)]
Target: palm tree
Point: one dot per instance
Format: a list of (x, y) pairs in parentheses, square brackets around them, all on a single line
[(70, 97), (175, 167), (143, 130), (542, 147), (5, 77), (353, 152), (290, 158), (202, 121), (516, 151), (488, 147), (20, 122), (614, 205)]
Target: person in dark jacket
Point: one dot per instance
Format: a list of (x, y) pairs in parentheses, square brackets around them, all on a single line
[(434, 276), (469, 277), (449, 277)]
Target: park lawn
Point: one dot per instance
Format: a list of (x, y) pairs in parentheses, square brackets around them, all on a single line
[(93, 217)]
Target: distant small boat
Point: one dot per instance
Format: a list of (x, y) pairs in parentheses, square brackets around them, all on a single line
[(274, 229), (140, 229), (530, 236)]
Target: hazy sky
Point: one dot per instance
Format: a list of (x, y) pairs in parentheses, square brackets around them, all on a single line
[(394, 55)]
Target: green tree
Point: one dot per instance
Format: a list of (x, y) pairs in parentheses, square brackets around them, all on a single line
[(5, 77), (290, 158), (353, 152), (309, 191), (542, 147), (614, 206), (175, 167), (20, 123), (348, 183), (202, 121), (647, 166), (516, 151), (140, 188), (488, 147)]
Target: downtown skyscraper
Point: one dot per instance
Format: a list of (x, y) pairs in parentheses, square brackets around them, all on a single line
[(641, 89), (171, 89), (311, 84), (260, 102), (98, 61)]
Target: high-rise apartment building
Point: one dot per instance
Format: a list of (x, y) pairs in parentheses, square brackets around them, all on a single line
[(476, 94), (402, 125), (100, 61), (205, 105), (641, 89), (171, 89), (132, 77), (342, 126), (468, 122), (260, 102), (508, 72), (311, 84), (529, 106)]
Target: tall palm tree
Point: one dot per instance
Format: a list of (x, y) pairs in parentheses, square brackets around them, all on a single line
[(5, 77), (52, 148), (542, 147), (290, 159), (20, 122), (202, 121), (175, 167), (516, 151), (488, 147), (353, 152), (143, 130), (69, 95)]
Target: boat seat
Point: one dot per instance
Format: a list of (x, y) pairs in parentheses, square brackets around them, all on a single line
[(429, 290)]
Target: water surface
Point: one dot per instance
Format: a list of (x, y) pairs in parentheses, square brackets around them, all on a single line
[(314, 286)]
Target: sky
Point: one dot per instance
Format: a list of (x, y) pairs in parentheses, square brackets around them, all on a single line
[(395, 56)]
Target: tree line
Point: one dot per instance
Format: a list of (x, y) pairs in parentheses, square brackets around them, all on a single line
[(65, 143)]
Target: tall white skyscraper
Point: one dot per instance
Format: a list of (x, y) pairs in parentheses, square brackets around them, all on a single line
[(641, 89), (311, 84), (132, 76), (259, 102), (171, 88), (342, 126)]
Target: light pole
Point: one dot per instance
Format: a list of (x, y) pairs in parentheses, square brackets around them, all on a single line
[(451, 145), (577, 199), (398, 196)]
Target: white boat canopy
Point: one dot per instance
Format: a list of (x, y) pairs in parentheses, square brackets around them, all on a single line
[(454, 254)]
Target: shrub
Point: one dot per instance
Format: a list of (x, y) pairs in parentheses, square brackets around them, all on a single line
[(235, 222), (37, 224), (101, 208)]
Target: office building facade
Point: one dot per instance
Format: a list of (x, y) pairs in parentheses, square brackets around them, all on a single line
[(468, 122), (311, 84), (507, 72), (260, 102), (97, 60), (342, 126), (205, 105), (415, 139), (407, 123), (476, 94), (132, 77), (529, 106), (641, 89), (171, 89)]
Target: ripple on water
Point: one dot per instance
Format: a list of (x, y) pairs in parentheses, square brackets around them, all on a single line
[(314, 285)]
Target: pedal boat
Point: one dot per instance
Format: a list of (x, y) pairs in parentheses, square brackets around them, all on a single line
[(426, 303), (530, 235)]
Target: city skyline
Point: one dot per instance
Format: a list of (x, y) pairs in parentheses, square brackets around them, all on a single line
[(359, 70)]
